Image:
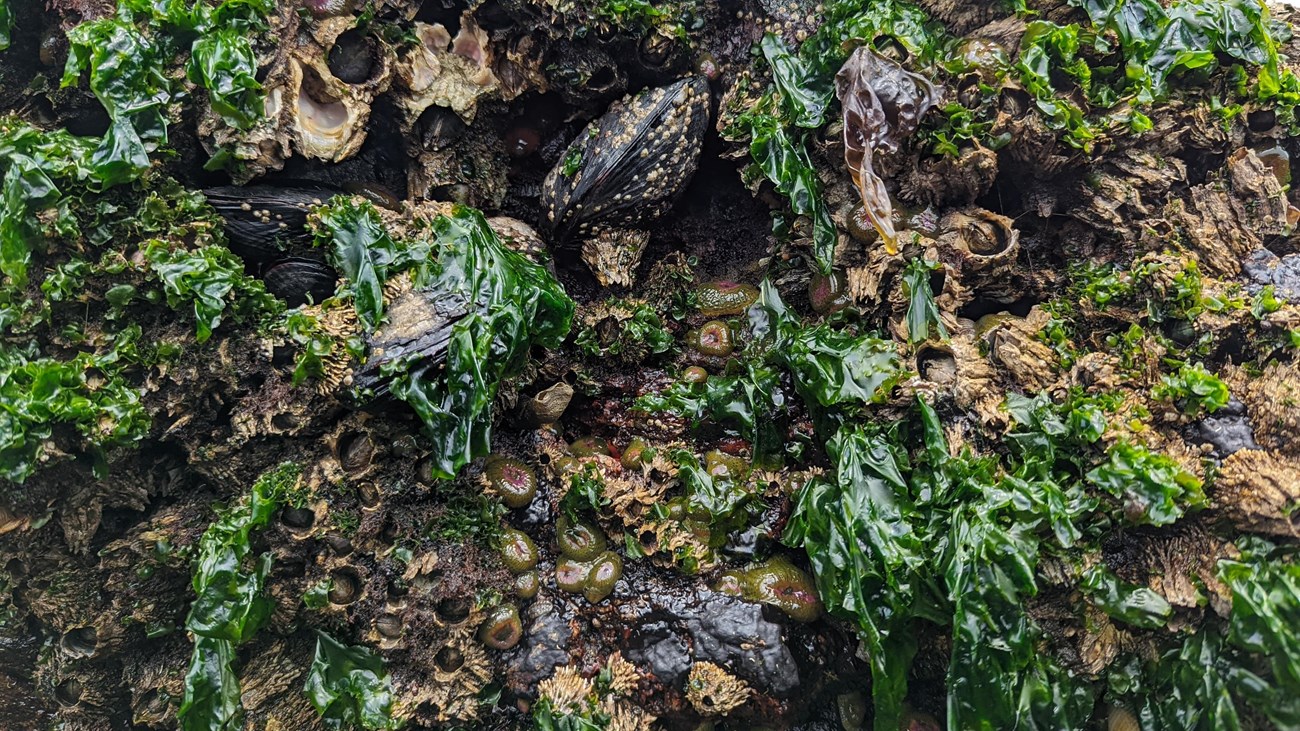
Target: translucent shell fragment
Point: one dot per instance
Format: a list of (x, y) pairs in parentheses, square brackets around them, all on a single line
[(883, 104)]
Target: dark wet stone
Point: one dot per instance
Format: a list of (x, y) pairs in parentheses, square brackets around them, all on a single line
[(1228, 434), (734, 633), (537, 514), (724, 630), (545, 646), (1263, 268), (663, 650), (742, 544)]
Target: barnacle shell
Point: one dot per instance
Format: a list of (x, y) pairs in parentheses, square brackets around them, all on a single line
[(713, 691), (1260, 492), (1271, 400), (614, 255), (1123, 188), (1225, 220), (1013, 345), (946, 180), (565, 689), (986, 244), (461, 669), (635, 160), (959, 368), (308, 109), (439, 70), (962, 16), (1121, 719), (549, 405)]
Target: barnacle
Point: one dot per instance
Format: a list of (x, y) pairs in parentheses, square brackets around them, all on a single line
[(613, 255), (713, 691), (1271, 400), (309, 109), (1227, 219), (566, 689), (986, 245), (1260, 492), (883, 104)]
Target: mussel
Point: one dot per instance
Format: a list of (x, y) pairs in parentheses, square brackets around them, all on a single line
[(262, 221), (297, 280), (629, 165)]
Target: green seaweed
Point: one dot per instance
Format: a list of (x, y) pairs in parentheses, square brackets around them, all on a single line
[(40, 395), (923, 315), (349, 686), (229, 607), (514, 305)]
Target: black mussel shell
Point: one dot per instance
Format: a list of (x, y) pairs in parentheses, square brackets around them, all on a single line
[(296, 280), (629, 165), (417, 328), (263, 220)]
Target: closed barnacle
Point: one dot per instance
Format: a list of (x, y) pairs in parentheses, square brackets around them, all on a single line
[(309, 109), (1013, 345), (631, 165), (614, 255), (1260, 492)]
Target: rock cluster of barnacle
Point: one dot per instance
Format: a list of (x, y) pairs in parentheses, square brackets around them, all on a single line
[(625, 604)]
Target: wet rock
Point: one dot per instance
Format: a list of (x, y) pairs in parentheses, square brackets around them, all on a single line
[(663, 650), (545, 645), (724, 630), (1263, 268), (1229, 430)]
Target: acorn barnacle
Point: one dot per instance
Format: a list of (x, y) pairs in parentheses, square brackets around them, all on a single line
[(625, 170)]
